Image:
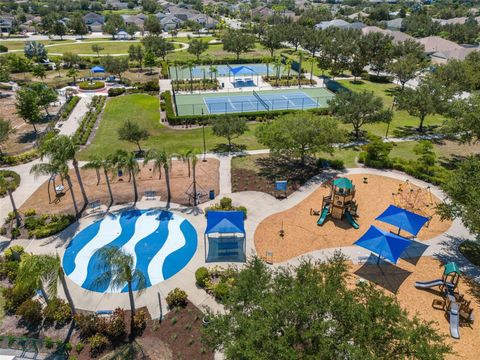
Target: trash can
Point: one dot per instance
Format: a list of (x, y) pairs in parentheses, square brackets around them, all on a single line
[(223, 85), (212, 194)]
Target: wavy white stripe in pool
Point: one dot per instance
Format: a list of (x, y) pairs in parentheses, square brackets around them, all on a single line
[(109, 230), (161, 244), (175, 241)]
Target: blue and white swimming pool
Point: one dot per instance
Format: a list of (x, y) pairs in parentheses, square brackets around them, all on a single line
[(162, 243)]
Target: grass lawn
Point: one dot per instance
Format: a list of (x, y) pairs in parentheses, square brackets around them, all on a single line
[(402, 124), (20, 44), (144, 110), (216, 51), (110, 47)]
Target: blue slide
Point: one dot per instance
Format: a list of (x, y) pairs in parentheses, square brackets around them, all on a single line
[(323, 215), (351, 220), (454, 320)]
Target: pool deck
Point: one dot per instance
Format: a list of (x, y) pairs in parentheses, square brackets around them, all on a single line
[(259, 205)]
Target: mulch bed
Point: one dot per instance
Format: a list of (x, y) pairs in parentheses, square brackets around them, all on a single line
[(248, 180)]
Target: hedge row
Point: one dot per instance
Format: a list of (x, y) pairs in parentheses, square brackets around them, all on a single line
[(88, 122), (257, 116), (85, 85), (22, 158), (68, 108)]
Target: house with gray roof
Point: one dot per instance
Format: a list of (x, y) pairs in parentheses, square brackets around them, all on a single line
[(394, 24), (341, 24), (6, 24), (442, 57)]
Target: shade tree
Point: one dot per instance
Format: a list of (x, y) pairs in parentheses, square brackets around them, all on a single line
[(229, 127), (358, 109), (237, 42), (132, 132), (197, 47)]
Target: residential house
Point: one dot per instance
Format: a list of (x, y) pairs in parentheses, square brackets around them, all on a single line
[(397, 36), (358, 15), (263, 12), (341, 24), (395, 24), (116, 5), (191, 15), (137, 20), (442, 57), (435, 44), (169, 21), (6, 24), (122, 35), (94, 22)]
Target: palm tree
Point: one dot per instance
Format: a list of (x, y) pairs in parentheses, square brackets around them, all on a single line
[(97, 162), (190, 65), (194, 158), (124, 160), (186, 155), (53, 167), (4, 183), (43, 273), (117, 268), (64, 148), (300, 67), (162, 159), (288, 65), (46, 169), (157, 158), (278, 66)]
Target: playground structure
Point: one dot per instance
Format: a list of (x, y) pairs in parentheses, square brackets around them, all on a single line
[(339, 203), (453, 302), (417, 200)]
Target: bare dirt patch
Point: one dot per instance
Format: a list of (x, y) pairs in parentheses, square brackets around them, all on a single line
[(303, 235), (147, 180)]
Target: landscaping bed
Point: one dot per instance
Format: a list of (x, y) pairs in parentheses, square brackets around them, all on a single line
[(35, 225), (187, 85), (88, 122), (287, 80), (90, 86), (12, 178)]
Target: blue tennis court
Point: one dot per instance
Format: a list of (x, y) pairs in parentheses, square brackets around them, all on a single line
[(248, 103)]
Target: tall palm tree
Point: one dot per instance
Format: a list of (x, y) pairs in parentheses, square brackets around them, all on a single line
[(194, 155), (9, 186), (278, 67), (46, 169), (98, 162), (288, 65), (161, 159), (185, 155), (63, 148), (44, 272), (157, 158), (190, 65), (54, 166), (117, 269), (127, 161)]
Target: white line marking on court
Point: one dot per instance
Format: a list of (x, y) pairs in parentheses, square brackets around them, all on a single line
[(231, 103)]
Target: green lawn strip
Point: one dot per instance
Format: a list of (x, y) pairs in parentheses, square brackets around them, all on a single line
[(111, 47), (20, 44), (400, 120), (144, 110)]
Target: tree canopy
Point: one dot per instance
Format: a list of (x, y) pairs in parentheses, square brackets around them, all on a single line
[(309, 312), (358, 109), (237, 42), (229, 127), (300, 134)]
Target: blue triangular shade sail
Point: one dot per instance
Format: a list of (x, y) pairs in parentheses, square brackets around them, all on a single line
[(242, 70), (226, 222), (97, 69), (383, 243), (403, 219)]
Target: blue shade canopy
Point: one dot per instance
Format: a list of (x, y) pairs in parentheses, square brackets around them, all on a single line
[(403, 219), (97, 69), (242, 70), (225, 222), (383, 243)]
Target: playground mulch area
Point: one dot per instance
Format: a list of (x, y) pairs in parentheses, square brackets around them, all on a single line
[(207, 177), (399, 280), (302, 234)]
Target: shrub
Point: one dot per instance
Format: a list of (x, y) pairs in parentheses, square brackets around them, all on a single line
[(22, 158), (30, 212), (13, 179), (220, 291), (112, 92), (15, 232), (116, 325), (225, 203), (98, 343), (51, 224), (57, 311), (48, 343), (201, 276), (176, 298), (85, 85), (30, 311), (377, 153), (152, 86), (14, 253), (9, 270), (140, 321), (3, 49), (335, 164), (69, 106), (14, 297), (87, 324), (79, 347)]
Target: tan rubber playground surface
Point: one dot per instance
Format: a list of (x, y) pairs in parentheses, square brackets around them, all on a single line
[(303, 235)]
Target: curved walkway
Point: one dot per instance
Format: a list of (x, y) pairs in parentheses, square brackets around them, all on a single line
[(259, 205)]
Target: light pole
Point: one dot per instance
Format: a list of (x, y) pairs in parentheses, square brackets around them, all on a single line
[(204, 142)]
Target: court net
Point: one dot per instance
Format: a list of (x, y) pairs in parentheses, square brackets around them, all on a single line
[(261, 100)]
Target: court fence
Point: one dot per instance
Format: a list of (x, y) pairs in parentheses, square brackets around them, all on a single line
[(256, 104)]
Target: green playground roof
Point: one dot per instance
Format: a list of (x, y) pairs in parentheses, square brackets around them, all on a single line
[(343, 183), (452, 267)]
